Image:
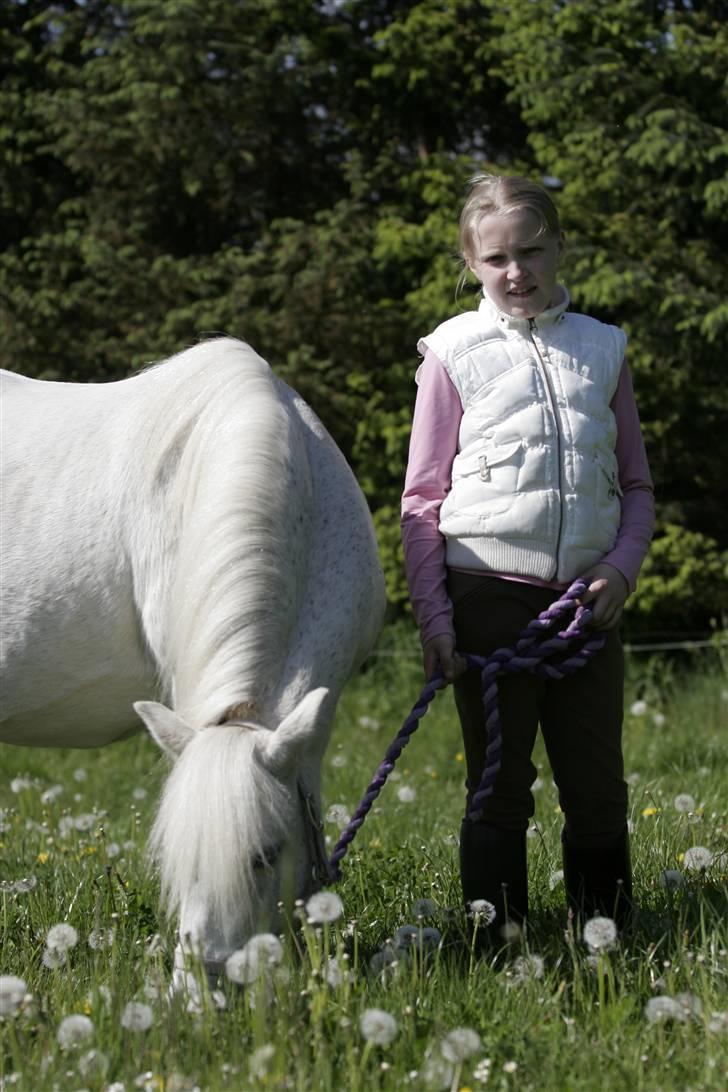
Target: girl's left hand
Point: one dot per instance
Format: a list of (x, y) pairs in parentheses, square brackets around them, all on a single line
[(605, 596)]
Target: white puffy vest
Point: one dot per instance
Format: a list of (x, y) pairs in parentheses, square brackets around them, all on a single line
[(535, 489)]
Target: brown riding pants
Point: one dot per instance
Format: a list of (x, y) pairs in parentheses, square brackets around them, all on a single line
[(580, 716)]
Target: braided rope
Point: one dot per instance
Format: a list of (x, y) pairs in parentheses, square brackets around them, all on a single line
[(535, 651)]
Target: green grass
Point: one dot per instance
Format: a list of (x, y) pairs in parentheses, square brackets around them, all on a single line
[(581, 1025)]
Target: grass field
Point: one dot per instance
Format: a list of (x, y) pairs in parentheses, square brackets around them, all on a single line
[(546, 1014)]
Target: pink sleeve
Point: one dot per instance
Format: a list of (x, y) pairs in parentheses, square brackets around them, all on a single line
[(433, 446), (638, 509)]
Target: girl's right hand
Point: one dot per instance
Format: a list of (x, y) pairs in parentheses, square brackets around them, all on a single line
[(439, 656)]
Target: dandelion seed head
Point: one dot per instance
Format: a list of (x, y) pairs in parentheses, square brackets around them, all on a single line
[(333, 973), (460, 1044), (600, 934), (417, 936), (62, 937), (556, 878), (663, 1009), (378, 1026), (387, 960), (510, 1067), (260, 1060), (20, 784), (527, 967), (259, 956), (638, 708), (684, 802), (79, 774), (98, 939), (659, 720), (718, 1022), (697, 859), (137, 1016), (339, 760), (424, 908), (482, 911), (93, 1065), (324, 907), (691, 1005), (12, 992), (24, 885), (50, 795), (437, 1072), (406, 794), (74, 1030), (338, 814), (54, 958)]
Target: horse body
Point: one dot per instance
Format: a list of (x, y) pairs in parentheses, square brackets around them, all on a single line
[(191, 534)]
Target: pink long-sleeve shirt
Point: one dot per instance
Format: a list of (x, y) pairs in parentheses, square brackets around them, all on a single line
[(433, 446)]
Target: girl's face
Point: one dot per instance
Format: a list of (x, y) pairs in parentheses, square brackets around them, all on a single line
[(515, 264)]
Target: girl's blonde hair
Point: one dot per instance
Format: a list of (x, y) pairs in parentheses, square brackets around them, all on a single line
[(492, 193)]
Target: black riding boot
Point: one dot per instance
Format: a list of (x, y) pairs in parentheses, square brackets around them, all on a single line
[(599, 881), (493, 867)]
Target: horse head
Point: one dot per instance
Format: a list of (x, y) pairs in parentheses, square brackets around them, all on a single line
[(237, 835)]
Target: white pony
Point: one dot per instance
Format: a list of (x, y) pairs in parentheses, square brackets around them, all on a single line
[(191, 534)]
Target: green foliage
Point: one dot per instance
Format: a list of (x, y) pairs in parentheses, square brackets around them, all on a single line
[(290, 173), (684, 579)]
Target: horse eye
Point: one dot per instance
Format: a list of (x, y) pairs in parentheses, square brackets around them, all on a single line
[(267, 858)]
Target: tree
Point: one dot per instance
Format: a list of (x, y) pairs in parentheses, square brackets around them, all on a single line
[(641, 159), (290, 172)]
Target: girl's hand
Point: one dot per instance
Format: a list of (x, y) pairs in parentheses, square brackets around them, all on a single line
[(439, 655), (606, 595)]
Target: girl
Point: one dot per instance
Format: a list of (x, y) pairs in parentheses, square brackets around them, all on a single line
[(527, 470)]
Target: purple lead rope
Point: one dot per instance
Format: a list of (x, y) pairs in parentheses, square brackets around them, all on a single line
[(538, 650)]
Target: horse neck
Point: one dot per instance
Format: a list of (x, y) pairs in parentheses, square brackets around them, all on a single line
[(227, 556)]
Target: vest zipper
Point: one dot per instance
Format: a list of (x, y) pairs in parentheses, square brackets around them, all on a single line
[(559, 439)]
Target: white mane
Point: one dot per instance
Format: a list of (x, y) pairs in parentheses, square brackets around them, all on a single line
[(241, 528), (220, 809)]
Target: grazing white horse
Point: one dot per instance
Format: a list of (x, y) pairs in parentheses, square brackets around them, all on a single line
[(191, 534)]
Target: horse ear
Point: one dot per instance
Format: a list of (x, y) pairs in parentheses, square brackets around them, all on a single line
[(279, 750), (166, 729)]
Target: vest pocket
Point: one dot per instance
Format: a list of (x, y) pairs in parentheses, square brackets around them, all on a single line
[(497, 465), (608, 490)]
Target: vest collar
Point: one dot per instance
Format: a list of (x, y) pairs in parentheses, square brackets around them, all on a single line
[(547, 318)]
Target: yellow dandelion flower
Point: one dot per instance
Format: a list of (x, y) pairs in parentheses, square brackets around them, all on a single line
[(87, 1007), (434, 774), (459, 756), (90, 850), (42, 858), (647, 812), (375, 843)]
